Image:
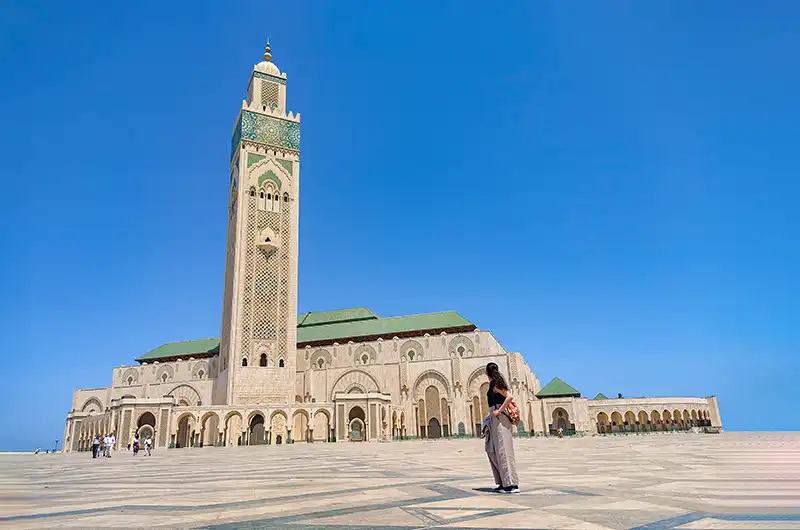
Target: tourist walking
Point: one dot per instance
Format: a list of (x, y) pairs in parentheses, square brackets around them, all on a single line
[(147, 446), (95, 446), (135, 444), (107, 446), (499, 443)]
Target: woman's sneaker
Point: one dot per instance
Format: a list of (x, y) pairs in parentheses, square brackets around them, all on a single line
[(511, 489), (498, 489)]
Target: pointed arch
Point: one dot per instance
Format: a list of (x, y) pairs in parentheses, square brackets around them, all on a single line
[(431, 378), (475, 380), (92, 405), (187, 393), (355, 377)]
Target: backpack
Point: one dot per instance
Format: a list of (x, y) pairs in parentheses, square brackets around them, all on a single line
[(512, 411)]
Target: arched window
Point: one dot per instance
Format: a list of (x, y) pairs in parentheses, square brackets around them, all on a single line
[(280, 363), (286, 197), (321, 363), (262, 203), (130, 380), (252, 192), (365, 358), (244, 361), (410, 355), (164, 378), (262, 361), (200, 374)]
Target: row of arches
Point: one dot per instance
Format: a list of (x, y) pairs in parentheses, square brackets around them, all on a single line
[(256, 429), (268, 198), (665, 420)]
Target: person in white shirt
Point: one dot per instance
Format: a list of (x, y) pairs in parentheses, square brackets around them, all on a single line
[(107, 446), (147, 445)]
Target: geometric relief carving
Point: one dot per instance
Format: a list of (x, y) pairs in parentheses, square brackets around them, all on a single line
[(186, 394), (365, 354), (130, 377), (461, 346), (165, 374), (412, 350), (476, 379), (431, 378), (321, 355), (355, 379), (92, 405)]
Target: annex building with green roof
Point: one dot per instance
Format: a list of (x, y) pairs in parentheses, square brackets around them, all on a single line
[(273, 375)]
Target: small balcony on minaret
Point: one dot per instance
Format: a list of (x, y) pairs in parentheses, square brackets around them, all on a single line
[(268, 240)]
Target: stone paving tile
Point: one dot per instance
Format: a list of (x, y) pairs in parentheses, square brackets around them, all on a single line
[(733, 480)]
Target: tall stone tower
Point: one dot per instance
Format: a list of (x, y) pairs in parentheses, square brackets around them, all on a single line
[(259, 315)]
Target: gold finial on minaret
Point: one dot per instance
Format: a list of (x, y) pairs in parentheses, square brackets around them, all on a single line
[(267, 54)]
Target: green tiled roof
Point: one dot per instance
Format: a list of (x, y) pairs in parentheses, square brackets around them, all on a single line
[(558, 388), (182, 349), (357, 324), (338, 315), (600, 396), (380, 327)]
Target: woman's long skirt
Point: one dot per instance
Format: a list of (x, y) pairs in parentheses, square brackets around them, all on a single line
[(500, 450)]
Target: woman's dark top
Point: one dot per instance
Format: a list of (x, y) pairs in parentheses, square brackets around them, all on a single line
[(494, 397)]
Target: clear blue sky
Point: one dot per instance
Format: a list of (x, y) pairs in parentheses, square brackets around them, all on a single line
[(610, 188)]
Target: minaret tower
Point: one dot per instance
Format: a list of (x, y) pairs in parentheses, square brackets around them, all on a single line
[(259, 314)]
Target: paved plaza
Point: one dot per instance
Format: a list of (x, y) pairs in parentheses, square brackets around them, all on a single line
[(732, 480)]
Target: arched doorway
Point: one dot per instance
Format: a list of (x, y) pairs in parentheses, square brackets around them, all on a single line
[(630, 421), (616, 421), (209, 430), (434, 428), (644, 424), (300, 427), (185, 427), (256, 435), (356, 422), (666, 416), (233, 429), (146, 427), (321, 428), (602, 423), (655, 420), (279, 428), (561, 421)]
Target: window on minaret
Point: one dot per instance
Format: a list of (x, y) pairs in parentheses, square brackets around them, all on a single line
[(285, 197), (320, 363), (263, 360), (244, 361), (280, 363), (252, 192), (262, 204)]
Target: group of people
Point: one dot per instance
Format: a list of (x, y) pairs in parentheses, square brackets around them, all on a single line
[(148, 445), (101, 445)]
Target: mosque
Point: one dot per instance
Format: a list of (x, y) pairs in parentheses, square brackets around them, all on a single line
[(276, 376)]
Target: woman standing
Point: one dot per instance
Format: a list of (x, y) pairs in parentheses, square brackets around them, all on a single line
[(499, 443)]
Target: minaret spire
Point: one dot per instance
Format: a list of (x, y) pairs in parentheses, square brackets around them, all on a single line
[(267, 53)]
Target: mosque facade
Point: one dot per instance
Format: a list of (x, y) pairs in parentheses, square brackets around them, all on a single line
[(275, 376)]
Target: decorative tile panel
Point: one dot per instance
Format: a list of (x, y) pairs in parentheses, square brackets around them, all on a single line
[(269, 130), (274, 78), (237, 136)]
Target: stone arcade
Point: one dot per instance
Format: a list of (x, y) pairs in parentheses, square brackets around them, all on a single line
[(277, 377)]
